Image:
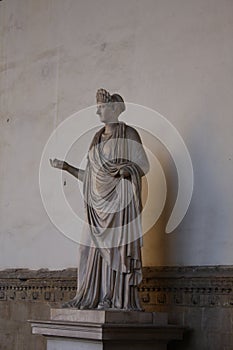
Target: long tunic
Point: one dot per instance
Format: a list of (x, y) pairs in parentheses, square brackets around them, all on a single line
[(110, 267)]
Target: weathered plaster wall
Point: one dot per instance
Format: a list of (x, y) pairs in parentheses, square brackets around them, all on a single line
[(172, 56)]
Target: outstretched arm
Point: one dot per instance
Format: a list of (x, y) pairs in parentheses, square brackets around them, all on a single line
[(60, 164)]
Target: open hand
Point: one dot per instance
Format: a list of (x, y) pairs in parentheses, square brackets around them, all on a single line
[(124, 172), (59, 164)]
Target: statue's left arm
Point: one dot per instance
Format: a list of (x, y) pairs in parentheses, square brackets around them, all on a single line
[(139, 158)]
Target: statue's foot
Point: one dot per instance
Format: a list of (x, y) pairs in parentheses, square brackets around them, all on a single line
[(74, 303), (104, 305), (68, 304)]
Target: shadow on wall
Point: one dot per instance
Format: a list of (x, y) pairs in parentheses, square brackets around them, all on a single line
[(155, 250)]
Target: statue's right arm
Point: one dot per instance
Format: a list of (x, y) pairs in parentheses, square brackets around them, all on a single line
[(78, 173), (62, 165)]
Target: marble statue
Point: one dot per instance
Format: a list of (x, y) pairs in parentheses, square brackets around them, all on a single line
[(110, 268)]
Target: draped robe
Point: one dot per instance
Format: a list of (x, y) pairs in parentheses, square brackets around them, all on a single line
[(109, 267)]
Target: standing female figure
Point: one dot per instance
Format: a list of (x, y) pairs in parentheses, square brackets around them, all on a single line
[(110, 266)]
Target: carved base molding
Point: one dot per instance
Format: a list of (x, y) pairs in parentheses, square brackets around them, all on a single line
[(200, 286), (197, 286), (38, 285)]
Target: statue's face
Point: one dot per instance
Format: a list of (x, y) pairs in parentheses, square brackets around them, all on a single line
[(106, 113)]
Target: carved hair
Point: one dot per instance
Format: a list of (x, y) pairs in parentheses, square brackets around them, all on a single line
[(103, 96)]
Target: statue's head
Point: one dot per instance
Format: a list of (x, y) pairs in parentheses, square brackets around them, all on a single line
[(109, 105)]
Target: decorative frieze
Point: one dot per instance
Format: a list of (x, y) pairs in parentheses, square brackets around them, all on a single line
[(161, 286), (41, 285), (196, 286)]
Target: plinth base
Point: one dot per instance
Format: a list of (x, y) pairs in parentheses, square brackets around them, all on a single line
[(72, 329), (58, 344)]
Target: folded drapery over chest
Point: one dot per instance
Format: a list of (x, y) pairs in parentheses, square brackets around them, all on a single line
[(112, 202)]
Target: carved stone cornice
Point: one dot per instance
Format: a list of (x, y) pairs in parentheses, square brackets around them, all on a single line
[(203, 286), (38, 285), (199, 286)]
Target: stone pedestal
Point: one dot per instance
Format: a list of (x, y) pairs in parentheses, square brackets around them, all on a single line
[(72, 329)]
